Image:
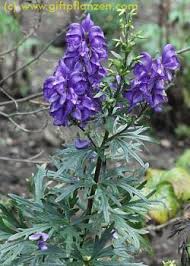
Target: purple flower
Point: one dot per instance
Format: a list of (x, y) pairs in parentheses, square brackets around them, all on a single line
[(170, 61), (82, 144), (41, 239), (69, 96), (86, 50), (151, 78), (76, 80), (86, 40), (42, 245)]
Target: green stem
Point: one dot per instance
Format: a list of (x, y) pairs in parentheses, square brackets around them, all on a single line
[(96, 177), (183, 50)]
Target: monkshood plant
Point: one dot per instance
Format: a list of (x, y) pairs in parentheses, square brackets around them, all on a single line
[(88, 208)]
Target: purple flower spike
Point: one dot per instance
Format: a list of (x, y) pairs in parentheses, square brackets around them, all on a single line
[(76, 80), (151, 78), (41, 239), (82, 144)]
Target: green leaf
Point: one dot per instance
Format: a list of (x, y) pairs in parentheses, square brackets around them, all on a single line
[(9, 216), (184, 160), (5, 228), (65, 191), (180, 180), (29, 231), (131, 190), (39, 183), (116, 55)]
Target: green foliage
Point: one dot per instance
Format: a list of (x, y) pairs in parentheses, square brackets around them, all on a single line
[(169, 263), (183, 131), (184, 160), (170, 189), (180, 180), (107, 18), (8, 24), (56, 208), (166, 204)]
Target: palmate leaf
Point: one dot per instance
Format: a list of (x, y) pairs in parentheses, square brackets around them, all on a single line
[(26, 206), (127, 143), (126, 232), (131, 190), (66, 191), (71, 238), (13, 253), (122, 150), (130, 150), (10, 252), (72, 158), (60, 175), (135, 133)]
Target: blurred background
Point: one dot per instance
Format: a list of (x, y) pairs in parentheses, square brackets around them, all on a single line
[(31, 42)]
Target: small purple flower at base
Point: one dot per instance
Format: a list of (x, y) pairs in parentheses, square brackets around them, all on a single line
[(82, 144), (42, 245), (41, 239)]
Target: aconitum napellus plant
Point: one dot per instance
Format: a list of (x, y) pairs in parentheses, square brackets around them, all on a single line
[(87, 207)]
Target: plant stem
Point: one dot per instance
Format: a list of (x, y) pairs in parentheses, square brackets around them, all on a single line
[(183, 50), (96, 176)]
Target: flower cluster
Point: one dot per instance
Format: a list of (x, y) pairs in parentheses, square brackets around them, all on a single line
[(71, 89), (151, 78), (41, 239)]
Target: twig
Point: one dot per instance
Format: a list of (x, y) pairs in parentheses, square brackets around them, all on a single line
[(20, 43), (22, 160), (25, 38), (161, 226), (10, 97), (33, 60), (23, 128), (183, 50), (28, 113), (22, 100)]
